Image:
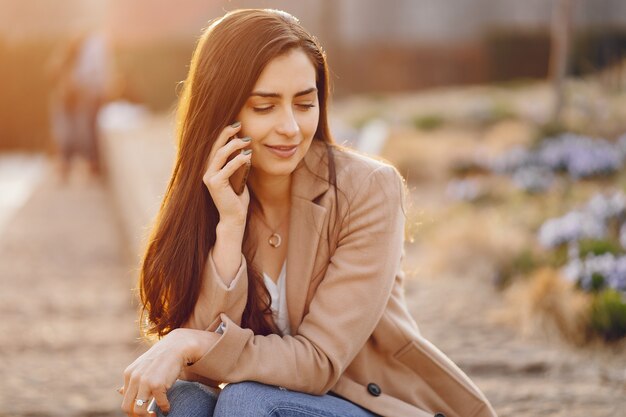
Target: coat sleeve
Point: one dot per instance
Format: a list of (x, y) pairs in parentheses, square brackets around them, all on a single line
[(344, 311), (215, 297)]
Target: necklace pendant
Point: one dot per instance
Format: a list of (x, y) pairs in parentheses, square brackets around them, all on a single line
[(275, 240)]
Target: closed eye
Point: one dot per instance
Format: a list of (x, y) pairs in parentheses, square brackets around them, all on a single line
[(262, 109), (267, 109)]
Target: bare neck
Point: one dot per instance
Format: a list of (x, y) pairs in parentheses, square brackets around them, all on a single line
[(273, 194)]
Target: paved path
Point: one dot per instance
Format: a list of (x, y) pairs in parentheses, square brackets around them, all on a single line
[(19, 172), (67, 317)]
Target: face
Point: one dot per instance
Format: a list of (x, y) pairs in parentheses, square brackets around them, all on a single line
[(281, 115)]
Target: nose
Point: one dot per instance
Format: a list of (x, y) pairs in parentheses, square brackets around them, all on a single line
[(288, 125)]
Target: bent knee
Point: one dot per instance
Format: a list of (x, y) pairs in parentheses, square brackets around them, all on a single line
[(245, 399), (190, 399)]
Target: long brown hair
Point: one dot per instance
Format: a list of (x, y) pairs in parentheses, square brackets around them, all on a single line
[(227, 61)]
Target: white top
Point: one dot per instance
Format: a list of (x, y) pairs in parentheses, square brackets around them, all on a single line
[(279, 299)]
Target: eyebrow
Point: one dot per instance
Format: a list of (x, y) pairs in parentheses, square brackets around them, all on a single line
[(276, 95)]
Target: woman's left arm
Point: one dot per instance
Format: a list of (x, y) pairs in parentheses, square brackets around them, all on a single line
[(154, 372), (347, 305)]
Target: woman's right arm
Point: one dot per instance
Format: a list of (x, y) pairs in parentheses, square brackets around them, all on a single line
[(224, 280), (227, 250), (224, 283)]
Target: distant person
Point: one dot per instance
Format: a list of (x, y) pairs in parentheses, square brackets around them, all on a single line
[(82, 82), (286, 286)]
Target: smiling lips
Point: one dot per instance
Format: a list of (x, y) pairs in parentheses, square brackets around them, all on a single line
[(283, 151)]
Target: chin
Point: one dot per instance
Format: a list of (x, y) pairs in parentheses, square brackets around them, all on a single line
[(279, 170), (284, 170)]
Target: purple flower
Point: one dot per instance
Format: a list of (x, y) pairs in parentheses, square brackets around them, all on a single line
[(512, 160), (464, 190), (606, 207), (573, 226), (533, 179), (610, 267), (590, 222), (580, 156)]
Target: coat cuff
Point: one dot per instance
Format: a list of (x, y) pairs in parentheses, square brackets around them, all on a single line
[(222, 357), (240, 275)]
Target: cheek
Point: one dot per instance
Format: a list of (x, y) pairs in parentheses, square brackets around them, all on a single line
[(308, 123), (258, 127), (255, 127)]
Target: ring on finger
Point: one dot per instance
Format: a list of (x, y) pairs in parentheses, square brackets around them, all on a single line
[(140, 403)]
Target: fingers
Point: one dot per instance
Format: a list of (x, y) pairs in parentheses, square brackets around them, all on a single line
[(229, 169), (140, 405), (213, 180), (128, 391), (223, 137), (150, 376), (128, 403), (160, 396), (221, 156), (137, 395)]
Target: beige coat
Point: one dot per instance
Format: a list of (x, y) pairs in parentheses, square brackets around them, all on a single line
[(352, 332)]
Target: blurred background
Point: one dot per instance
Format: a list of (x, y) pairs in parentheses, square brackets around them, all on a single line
[(506, 118)]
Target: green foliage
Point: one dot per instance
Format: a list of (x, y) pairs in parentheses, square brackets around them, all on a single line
[(550, 130), (360, 121), (501, 111), (608, 315), (466, 168), (598, 247), (522, 264), (597, 282), (558, 257), (428, 122), (497, 111)]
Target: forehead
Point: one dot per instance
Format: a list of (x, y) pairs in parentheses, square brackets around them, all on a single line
[(287, 74)]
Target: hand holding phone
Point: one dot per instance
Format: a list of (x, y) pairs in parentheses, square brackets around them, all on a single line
[(226, 172), (239, 178)]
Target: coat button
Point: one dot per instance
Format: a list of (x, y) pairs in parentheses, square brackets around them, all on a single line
[(374, 389), (440, 415)]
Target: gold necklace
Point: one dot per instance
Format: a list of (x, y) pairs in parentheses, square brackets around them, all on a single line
[(275, 239)]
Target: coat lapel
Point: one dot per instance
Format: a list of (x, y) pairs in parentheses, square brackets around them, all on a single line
[(306, 221)]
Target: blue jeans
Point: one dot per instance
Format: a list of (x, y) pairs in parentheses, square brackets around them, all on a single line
[(253, 399)]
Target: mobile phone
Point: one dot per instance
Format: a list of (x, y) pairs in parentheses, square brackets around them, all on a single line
[(239, 178), (152, 406)]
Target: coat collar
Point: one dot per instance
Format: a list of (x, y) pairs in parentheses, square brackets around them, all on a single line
[(306, 221)]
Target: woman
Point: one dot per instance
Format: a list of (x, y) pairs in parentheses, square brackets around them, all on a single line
[(290, 292), (82, 82)]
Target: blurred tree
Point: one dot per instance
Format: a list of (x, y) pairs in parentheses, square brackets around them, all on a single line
[(331, 39), (559, 52)]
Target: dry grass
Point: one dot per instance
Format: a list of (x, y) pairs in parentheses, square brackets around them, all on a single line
[(468, 243), (429, 156), (547, 305), (507, 134)]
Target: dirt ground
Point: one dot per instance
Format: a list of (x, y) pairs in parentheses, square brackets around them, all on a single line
[(68, 319)]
